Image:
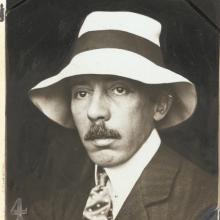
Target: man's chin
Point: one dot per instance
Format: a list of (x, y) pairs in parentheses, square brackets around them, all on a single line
[(105, 158)]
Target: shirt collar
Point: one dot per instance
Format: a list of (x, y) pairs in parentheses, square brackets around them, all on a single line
[(124, 176)]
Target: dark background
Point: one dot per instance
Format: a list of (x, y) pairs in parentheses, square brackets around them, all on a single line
[(43, 156)]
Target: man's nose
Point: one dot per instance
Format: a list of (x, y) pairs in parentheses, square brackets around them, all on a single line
[(98, 108)]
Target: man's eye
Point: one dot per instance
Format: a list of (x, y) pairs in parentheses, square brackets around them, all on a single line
[(80, 94), (120, 90)]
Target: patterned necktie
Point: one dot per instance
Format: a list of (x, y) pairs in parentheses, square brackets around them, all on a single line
[(99, 203)]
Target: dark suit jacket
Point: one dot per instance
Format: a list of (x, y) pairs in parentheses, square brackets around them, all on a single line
[(170, 188)]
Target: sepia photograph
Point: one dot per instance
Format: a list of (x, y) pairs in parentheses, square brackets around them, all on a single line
[(112, 109)]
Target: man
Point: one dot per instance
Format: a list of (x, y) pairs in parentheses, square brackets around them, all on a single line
[(117, 93)]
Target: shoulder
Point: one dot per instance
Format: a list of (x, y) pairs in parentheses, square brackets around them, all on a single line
[(50, 208), (193, 187), (177, 186), (192, 176), (64, 204)]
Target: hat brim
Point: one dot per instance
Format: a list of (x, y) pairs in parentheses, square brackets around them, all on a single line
[(52, 97)]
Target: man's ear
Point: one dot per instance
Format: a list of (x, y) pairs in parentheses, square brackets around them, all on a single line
[(162, 106)]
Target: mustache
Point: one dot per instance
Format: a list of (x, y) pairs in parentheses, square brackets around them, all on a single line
[(100, 131)]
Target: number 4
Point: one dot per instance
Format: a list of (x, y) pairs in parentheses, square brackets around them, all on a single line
[(17, 209)]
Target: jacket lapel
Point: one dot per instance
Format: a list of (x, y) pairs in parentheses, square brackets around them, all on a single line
[(157, 179), (133, 207), (154, 185)]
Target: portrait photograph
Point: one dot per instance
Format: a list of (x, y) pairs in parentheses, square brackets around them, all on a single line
[(112, 109)]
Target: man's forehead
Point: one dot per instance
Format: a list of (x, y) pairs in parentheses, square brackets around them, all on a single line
[(93, 78)]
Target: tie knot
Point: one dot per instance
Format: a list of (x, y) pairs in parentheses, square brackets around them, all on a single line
[(102, 177)]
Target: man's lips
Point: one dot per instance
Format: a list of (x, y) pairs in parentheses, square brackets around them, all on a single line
[(101, 142)]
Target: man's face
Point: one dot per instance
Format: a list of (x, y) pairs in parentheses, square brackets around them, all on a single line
[(113, 115)]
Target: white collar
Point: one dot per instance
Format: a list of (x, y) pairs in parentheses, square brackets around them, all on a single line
[(123, 177)]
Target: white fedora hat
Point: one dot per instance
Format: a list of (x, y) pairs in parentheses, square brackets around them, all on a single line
[(124, 44)]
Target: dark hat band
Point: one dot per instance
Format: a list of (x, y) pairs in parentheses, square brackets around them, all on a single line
[(120, 40)]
